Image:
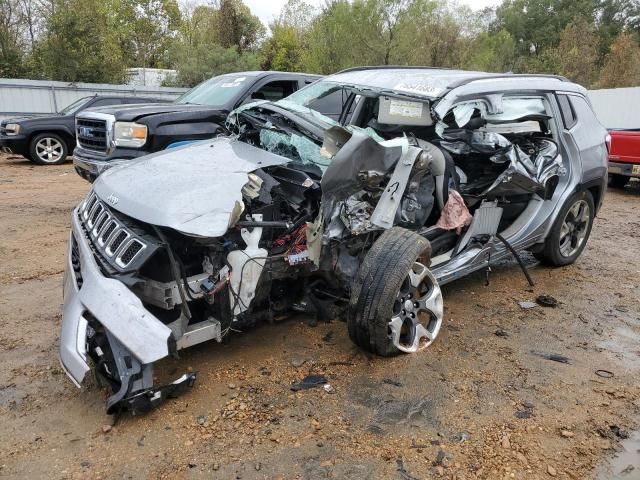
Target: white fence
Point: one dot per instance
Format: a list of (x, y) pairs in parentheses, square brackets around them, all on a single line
[(38, 97), (617, 107)]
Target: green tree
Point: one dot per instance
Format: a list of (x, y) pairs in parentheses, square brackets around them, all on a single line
[(207, 61), (81, 44), (492, 52), (622, 65), (283, 49), (576, 55), (237, 26), (11, 40), (146, 29), (536, 24)]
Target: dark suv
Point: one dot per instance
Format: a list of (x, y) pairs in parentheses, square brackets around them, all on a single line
[(49, 140), (116, 134)]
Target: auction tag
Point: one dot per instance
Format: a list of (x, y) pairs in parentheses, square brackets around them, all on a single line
[(403, 108)]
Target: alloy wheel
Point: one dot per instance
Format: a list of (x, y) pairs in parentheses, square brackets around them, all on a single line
[(417, 311), (49, 150), (574, 228)]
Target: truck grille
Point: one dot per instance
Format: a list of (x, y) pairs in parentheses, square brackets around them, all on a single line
[(114, 241), (92, 133)]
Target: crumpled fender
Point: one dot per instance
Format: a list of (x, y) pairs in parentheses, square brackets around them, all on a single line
[(118, 309)]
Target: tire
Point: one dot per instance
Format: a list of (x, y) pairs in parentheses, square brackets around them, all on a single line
[(618, 181), (48, 149), (384, 284), (563, 247)]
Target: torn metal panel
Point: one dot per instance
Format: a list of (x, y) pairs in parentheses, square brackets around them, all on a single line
[(193, 190), (385, 212), (356, 214), (525, 174), (360, 153), (486, 87), (464, 142)]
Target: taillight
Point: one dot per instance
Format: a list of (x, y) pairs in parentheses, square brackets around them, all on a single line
[(607, 140)]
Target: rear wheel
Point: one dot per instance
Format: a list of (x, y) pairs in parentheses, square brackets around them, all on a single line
[(48, 149), (618, 181), (570, 232), (396, 303)]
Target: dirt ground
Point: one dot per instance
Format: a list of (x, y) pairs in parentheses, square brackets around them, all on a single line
[(482, 402)]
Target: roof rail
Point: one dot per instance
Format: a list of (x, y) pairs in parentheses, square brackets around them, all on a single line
[(390, 67), (466, 81), (460, 82)]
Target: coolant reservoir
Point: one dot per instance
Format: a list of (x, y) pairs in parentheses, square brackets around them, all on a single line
[(246, 267)]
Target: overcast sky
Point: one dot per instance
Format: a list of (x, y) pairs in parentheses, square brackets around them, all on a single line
[(267, 10)]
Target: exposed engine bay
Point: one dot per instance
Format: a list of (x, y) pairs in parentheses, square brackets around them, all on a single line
[(295, 236)]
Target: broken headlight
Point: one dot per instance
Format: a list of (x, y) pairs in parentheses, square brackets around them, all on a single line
[(129, 134)]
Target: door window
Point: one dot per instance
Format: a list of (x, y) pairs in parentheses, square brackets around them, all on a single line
[(568, 114), (274, 91), (103, 102)]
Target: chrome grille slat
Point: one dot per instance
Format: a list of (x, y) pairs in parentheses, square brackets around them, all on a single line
[(90, 206), (118, 239), (102, 221), (129, 252), (106, 234), (110, 238)]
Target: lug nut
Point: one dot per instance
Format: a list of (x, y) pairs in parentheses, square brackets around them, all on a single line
[(416, 304), (404, 312)]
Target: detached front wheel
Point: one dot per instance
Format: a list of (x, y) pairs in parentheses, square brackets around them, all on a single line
[(396, 302)]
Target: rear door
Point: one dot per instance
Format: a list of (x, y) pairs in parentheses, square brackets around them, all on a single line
[(586, 133)]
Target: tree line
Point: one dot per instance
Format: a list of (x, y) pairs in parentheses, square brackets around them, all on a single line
[(593, 42)]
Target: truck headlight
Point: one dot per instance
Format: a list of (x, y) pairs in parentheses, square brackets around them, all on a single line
[(129, 134), (12, 129)]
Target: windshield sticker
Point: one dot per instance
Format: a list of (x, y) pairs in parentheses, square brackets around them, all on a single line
[(419, 88), (235, 83), (406, 109)]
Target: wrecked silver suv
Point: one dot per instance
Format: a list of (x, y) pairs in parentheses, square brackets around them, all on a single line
[(420, 177)]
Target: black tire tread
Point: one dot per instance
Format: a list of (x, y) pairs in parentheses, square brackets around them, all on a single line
[(381, 274)]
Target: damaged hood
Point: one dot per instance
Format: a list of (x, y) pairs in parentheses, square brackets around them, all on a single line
[(192, 189)]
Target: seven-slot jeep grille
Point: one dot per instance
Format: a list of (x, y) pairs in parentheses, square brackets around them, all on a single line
[(110, 237)]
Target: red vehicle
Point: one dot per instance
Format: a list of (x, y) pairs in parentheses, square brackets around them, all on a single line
[(624, 156)]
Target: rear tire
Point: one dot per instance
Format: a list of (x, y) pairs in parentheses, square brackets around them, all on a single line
[(48, 149), (378, 320), (570, 232), (618, 181)]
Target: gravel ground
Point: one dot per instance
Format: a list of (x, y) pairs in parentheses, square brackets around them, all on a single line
[(482, 402)]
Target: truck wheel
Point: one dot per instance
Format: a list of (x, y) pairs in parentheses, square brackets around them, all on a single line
[(570, 232), (48, 149), (618, 181), (396, 302)]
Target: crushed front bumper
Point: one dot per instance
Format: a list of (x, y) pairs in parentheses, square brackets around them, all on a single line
[(136, 337)]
